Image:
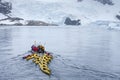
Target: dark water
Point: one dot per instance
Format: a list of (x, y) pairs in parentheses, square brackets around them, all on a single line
[(80, 53)]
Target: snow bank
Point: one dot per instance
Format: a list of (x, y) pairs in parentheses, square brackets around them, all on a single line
[(55, 11)]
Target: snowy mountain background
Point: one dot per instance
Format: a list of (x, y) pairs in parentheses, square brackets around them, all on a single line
[(55, 11), (88, 52)]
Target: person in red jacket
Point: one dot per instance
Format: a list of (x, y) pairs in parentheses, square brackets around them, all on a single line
[(34, 48)]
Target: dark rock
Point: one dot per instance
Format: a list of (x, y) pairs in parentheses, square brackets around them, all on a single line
[(15, 19), (2, 24), (12, 19), (68, 21), (118, 17), (79, 0), (18, 24), (109, 2), (33, 23), (38, 23), (5, 7)]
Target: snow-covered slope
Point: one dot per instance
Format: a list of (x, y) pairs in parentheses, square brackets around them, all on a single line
[(2, 16), (55, 11)]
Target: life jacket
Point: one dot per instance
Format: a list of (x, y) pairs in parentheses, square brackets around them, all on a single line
[(41, 47)]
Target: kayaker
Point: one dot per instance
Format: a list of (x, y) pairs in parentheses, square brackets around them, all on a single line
[(34, 48), (41, 49)]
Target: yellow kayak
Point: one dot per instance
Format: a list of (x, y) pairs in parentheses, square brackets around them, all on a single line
[(42, 61)]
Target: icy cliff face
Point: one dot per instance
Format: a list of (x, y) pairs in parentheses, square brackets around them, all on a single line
[(55, 11)]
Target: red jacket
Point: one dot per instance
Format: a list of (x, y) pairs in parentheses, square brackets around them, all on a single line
[(34, 48)]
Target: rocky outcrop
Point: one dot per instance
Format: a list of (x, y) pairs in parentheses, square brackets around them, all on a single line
[(12, 19), (38, 23), (79, 0), (109, 2), (5, 7), (16, 21), (35, 23), (68, 21), (118, 17), (18, 24)]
